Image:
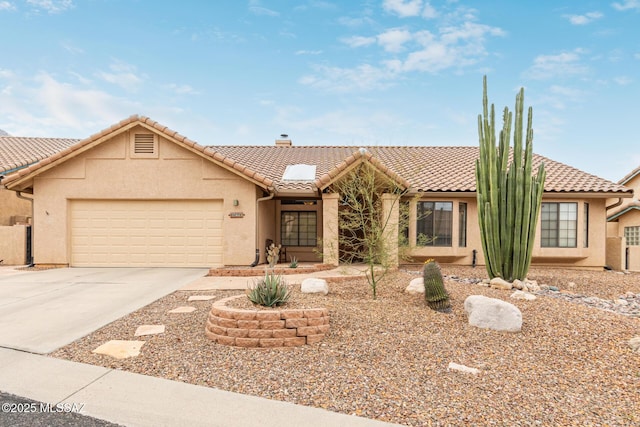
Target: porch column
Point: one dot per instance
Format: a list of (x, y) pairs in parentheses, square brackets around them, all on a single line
[(330, 245), (391, 210)]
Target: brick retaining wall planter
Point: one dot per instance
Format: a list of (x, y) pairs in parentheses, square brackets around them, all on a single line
[(265, 328)]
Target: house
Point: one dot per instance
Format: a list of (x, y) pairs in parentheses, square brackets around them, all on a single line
[(140, 194), (623, 227), (15, 208), (17, 153)]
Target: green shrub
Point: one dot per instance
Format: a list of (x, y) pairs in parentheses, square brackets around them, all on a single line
[(294, 263), (434, 292), (269, 291)]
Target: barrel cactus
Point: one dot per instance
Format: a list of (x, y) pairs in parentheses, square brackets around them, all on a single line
[(435, 294)]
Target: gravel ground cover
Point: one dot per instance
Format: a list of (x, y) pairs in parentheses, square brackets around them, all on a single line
[(387, 359)]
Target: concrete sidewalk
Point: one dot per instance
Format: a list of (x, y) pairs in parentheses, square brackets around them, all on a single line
[(139, 400), (241, 283)]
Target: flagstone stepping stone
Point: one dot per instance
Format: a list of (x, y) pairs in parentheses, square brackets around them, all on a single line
[(149, 330), (120, 349), (184, 309), (201, 297)]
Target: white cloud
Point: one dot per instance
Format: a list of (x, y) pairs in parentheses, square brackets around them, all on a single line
[(45, 106), (308, 52), (258, 10), (584, 19), (51, 6), (627, 4), (429, 12), (71, 48), (623, 80), (403, 8), (358, 41), (182, 89), (336, 79), (393, 40), (5, 74), (123, 75), (455, 46), (6, 5), (553, 66), (355, 22)]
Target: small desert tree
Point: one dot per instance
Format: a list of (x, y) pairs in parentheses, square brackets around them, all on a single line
[(509, 196), (367, 233)]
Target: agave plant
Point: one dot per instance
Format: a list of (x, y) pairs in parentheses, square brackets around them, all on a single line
[(270, 291)]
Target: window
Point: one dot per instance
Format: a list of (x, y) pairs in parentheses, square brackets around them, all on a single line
[(462, 225), (585, 228), (437, 224), (559, 223), (298, 228), (632, 234)]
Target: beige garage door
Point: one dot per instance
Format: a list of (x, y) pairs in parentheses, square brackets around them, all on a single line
[(146, 233)]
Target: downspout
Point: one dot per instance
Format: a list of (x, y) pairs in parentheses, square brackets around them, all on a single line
[(262, 199), (615, 205), (20, 196)]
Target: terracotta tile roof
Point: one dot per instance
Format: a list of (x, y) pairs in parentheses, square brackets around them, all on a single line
[(433, 169), (428, 169), (19, 152)]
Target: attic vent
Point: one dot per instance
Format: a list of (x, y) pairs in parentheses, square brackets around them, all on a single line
[(144, 143)]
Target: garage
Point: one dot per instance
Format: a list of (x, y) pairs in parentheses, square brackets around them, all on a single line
[(146, 233)]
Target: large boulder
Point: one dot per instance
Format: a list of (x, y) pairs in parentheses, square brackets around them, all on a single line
[(416, 286), (492, 313), (314, 286)]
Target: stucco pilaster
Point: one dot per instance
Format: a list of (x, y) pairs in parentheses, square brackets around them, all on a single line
[(391, 211), (330, 232)]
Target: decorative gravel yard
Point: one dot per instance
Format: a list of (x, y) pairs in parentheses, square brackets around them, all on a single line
[(387, 359)]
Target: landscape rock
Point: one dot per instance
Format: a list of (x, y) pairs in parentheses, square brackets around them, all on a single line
[(183, 309), (149, 330), (523, 295), (314, 286), (492, 313), (500, 283), (634, 343), (416, 286), (120, 349), (517, 284), (462, 368)]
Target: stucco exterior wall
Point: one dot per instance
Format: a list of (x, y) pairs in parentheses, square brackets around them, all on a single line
[(12, 206), (616, 252), (13, 241), (109, 171), (592, 256), (453, 254)]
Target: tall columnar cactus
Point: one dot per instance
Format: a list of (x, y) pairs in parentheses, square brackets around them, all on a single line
[(509, 196), (434, 292)]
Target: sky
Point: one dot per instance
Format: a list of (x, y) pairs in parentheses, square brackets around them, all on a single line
[(329, 72)]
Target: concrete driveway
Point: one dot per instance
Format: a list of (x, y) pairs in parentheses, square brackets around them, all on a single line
[(41, 311)]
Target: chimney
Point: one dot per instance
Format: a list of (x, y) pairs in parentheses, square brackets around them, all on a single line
[(283, 141)]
